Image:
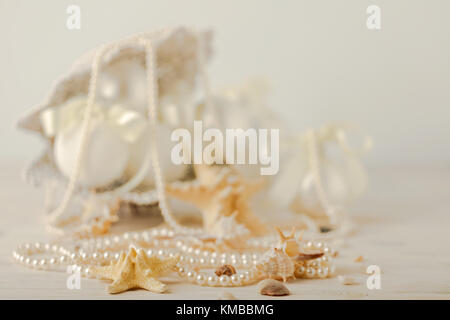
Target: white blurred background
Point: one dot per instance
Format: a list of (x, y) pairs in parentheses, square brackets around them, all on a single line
[(323, 63)]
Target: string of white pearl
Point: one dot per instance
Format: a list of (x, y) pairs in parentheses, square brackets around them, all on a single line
[(162, 242)]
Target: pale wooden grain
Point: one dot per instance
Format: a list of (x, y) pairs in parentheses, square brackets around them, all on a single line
[(403, 226)]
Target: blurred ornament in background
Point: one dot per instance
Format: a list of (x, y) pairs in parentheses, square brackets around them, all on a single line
[(316, 182)]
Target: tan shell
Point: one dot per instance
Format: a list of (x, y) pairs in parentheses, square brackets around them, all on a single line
[(226, 269), (270, 287), (225, 295), (277, 264)]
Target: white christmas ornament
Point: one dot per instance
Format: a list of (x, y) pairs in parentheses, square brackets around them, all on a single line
[(104, 159)]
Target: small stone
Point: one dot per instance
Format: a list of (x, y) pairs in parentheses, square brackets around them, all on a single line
[(270, 287), (346, 280), (359, 259), (226, 269), (325, 229), (225, 295)]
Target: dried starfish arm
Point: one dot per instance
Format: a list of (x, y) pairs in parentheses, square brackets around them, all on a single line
[(152, 284), (191, 192), (118, 286)]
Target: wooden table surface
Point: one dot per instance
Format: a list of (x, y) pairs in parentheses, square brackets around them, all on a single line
[(403, 226)]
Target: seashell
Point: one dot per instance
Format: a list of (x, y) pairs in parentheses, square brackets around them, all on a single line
[(270, 287), (225, 295), (347, 280), (307, 256), (276, 264), (226, 269), (288, 243)]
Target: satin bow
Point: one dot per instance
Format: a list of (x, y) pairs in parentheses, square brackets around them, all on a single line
[(129, 124)]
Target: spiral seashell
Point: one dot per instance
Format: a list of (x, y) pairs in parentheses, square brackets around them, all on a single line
[(277, 264)]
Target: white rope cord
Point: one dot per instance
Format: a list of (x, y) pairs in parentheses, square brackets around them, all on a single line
[(53, 216), (152, 96), (313, 158)]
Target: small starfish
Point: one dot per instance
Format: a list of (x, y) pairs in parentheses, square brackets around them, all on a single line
[(136, 270), (220, 192)]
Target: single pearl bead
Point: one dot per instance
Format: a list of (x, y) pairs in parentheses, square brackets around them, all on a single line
[(243, 278), (191, 275), (38, 247), (201, 279), (28, 261), (88, 273), (181, 271), (212, 280), (224, 280), (43, 263), (193, 261), (213, 261), (322, 272), (235, 279), (34, 263), (63, 259), (310, 272), (53, 261), (301, 270)]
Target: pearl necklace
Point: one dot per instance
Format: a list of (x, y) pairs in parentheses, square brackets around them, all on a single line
[(163, 242)]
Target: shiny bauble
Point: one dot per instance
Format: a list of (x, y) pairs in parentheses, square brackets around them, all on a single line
[(104, 159), (140, 152)]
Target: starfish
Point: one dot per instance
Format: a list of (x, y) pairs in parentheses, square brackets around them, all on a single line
[(220, 192), (136, 270)]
